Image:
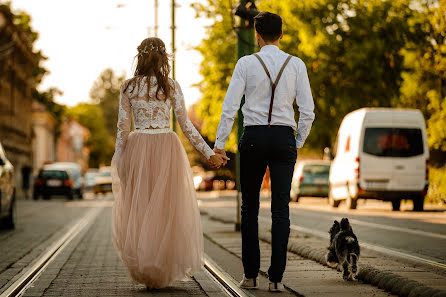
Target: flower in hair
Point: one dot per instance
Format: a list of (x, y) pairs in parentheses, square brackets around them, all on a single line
[(150, 48)]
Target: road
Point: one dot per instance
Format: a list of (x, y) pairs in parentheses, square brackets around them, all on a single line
[(86, 264), (419, 234)]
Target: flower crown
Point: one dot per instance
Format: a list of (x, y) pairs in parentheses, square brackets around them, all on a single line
[(150, 48)]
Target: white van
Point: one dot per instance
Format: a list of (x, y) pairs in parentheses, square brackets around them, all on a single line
[(380, 153)]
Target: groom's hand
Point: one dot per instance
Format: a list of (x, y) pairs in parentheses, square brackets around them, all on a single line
[(222, 153)]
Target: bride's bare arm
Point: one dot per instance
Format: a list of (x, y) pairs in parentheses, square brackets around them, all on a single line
[(186, 125)]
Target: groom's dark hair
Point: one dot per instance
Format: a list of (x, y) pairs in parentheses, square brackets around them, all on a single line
[(268, 25)]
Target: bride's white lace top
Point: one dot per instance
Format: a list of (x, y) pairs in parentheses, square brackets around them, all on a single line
[(154, 113)]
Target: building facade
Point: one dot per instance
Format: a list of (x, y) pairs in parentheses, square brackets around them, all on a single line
[(17, 64), (72, 143), (44, 131)]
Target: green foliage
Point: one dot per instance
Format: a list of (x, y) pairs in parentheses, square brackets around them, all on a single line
[(47, 99), (100, 141), (105, 93), (219, 57), (359, 53), (424, 84), (437, 187), (353, 53)]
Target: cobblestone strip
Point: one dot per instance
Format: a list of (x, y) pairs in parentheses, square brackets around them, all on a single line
[(392, 277), (36, 230), (90, 267)]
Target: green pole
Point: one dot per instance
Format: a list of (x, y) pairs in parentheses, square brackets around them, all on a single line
[(245, 46), (174, 120)]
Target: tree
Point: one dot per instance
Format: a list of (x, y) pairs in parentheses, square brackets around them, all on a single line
[(424, 84), (355, 52), (219, 57), (105, 93), (100, 140), (23, 22)]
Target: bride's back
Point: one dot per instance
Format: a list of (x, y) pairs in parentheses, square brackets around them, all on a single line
[(148, 110)]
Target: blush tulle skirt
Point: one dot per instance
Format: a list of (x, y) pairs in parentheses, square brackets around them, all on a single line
[(156, 221)]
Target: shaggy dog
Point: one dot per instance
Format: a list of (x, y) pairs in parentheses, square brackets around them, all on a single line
[(343, 249)]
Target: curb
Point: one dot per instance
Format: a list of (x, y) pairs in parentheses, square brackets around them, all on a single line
[(385, 280)]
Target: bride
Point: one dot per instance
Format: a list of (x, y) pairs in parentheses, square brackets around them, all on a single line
[(156, 221)]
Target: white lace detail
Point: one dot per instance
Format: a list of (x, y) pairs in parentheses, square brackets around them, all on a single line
[(153, 131), (151, 113), (122, 117), (154, 113)]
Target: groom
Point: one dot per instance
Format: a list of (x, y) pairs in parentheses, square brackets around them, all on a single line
[(271, 81)]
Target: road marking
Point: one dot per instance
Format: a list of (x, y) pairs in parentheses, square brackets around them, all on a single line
[(32, 273), (366, 245), (393, 228)]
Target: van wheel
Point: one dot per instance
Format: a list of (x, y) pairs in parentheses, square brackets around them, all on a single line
[(418, 203), (396, 205), (333, 203), (351, 202)]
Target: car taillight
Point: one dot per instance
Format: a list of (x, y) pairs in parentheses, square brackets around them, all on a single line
[(67, 183), (427, 169), (357, 168), (38, 182), (301, 178)]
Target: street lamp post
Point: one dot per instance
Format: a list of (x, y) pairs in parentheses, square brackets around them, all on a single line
[(245, 46)]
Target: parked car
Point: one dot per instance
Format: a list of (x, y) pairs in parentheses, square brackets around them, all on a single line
[(103, 181), (52, 181), (76, 173), (381, 153), (310, 178), (90, 179), (7, 192)]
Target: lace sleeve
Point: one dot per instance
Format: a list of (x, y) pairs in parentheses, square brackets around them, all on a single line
[(123, 122), (186, 125)]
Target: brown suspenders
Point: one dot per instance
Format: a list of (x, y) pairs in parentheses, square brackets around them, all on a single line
[(273, 84)]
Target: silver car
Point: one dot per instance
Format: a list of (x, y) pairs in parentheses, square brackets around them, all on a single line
[(7, 192)]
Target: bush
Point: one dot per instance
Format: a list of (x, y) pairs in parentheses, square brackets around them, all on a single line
[(437, 186)]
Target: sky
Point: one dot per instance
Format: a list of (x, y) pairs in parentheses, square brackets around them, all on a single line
[(82, 38)]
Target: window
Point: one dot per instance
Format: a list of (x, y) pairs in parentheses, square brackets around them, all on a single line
[(56, 174), (393, 142)]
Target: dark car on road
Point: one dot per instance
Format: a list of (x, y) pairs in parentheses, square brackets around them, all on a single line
[(51, 182), (310, 179), (7, 192)]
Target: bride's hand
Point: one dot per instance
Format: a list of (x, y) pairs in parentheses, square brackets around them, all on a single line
[(215, 161)]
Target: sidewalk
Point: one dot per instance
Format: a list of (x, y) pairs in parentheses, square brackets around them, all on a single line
[(89, 266), (306, 271)]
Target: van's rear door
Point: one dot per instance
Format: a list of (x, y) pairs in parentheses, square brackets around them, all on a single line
[(376, 167), (399, 152)]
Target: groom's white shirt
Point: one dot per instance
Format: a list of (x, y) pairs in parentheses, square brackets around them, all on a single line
[(250, 79)]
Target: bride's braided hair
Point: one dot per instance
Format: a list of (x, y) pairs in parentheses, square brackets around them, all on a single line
[(153, 60)]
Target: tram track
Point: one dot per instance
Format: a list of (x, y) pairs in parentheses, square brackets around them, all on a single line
[(25, 279), (227, 283)]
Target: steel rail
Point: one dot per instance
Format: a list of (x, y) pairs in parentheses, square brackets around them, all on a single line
[(28, 276), (229, 285)]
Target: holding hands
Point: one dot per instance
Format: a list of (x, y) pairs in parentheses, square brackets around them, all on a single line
[(219, 159)]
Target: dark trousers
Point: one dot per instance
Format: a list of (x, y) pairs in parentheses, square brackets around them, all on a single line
[(260, 147)]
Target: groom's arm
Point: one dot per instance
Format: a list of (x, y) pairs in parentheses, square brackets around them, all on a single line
[(304, 101), (231, 103)]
